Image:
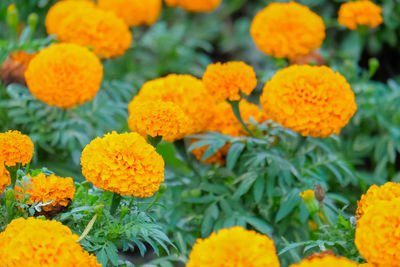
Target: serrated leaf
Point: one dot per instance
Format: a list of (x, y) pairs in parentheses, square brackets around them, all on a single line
[(233, 154), (287, 205), (258, 189), (244, 186)]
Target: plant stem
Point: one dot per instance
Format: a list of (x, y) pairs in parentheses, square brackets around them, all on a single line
[(236, 111), (13, 174), (116, 200), (158, 196), (154, 141)]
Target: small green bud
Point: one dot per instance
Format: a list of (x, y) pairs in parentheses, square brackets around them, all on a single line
[(33, 19), (99, 210), (373, 64), (195, 193), (185, 194), (124, 211), (10, 195), (162, 189), (12, 17), (41, 217)]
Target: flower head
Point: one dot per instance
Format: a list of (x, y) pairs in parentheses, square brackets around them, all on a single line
[(287, 30), (308, 194), (157, 118), (33, 242), (234, 247), (360, 13), (5, 179), (326, 261), (195, 5), (134, 12), (65, 75), (386, 192), (377, 233), (123, 163), (311, 100), (15, 148), (227, 81)]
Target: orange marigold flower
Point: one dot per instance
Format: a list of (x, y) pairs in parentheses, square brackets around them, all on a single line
[(360, 13), (157, 118), (229, 80), (311, 100), (123, 163), (226, 248), (386, 192), (32, 242), (287, 30), (326, 261), (195, 5), (185, 91), (15, 148), (5, 179), (377, 234), (134, 12), (65, 75), (44, 189)]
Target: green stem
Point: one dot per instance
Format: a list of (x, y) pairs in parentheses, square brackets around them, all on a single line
[(236, 111), (158, 196), (13, 174), (116, 200), (154, 141)]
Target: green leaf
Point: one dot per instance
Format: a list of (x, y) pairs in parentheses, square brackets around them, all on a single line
[(233, 154), (259, 225), (287, 205), (112, 253), (245, 186), (258, 189), (102, 257)]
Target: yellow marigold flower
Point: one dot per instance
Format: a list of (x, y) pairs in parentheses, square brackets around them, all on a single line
[(157, 118), (33, 242), (387, 192), (44, 188), (61, 10), (325, 261), (287, 30), (195, 5), (185, 91), (15, 148), (5, 179), (227, 81), (123, 163), (311, 100), (226, 248), (360, 13), (377, 234), (11, 7), (65, 75), (134, 12), (308, 194)]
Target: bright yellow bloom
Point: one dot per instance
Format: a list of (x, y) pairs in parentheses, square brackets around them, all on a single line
[(308, 194), (5, 179), (123, 163), (377, 234), (33, 242), (360, 13), (15, 148), (65, 75), (157, 118), (195, 5), (11, 7), (287, 30), (386, 192), (311, 100), (44, 188), (227, 81), (325, 261), (134, 12), (185, 91), (234, 247)]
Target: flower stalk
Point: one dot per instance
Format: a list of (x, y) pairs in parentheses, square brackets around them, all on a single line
[(236, 111)]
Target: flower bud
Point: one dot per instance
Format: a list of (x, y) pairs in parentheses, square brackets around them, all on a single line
[(162, 189), (99, 210), (319, 193), (309, 199), (12, 17), (195, 193), (33, 19), (10, 195), (124, 211)]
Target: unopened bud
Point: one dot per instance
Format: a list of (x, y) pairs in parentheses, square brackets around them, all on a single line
[(12, 17), (33, 19), (162, 189), (319, 193), (10, 195), (99, 209)]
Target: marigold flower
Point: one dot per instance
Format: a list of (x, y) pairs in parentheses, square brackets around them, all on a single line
[(5, 179), (123, 163), (195, 5), (226, 248), (387, 192), (157, 118), (308, 194), (326, 261), (134, 12), (227, 81), (185, 91), (15, 148), (13, 69), (65, 75), (360, 13), (44, 188), (287, 30), (377, 234), (311, 100), (33, 242)]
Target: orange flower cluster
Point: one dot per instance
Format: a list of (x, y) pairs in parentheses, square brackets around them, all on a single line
[(134, 12), (325, 261), (13, 69), (157, 118), (195, 5), (15, 148), (311, 100), (234, 247), (44, 188), (5, 179), (229, 80), (360, 13), (65, 75), (123, 163), (377, 234), (33, 242), (84, 24), (287, 30)]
